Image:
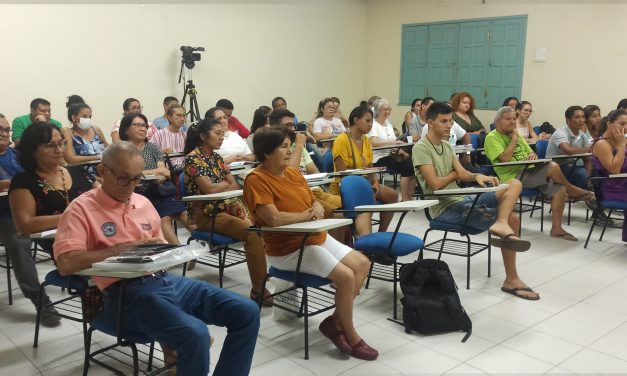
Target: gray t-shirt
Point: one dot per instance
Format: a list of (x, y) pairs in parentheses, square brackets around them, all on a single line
[(562, 135), (424, 153)]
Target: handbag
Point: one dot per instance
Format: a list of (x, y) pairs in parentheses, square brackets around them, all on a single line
[(166, 189)]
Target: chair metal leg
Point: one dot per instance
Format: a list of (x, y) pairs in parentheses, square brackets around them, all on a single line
[(306, 319), (468, 264), (520, 214), (542, 214), (489, 254), (87, 351), (8, 259), (595, 215), (533, 208), (609, 215), (151, 354), (570, 203), (369, 274), (395, 279), (37, 320), (442, 245), (221, 262), (135, 359)]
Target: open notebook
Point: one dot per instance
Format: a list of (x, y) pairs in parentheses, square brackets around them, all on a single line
[(143, 253)]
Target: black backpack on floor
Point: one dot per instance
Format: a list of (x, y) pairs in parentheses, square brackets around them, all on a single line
[(430, 301)]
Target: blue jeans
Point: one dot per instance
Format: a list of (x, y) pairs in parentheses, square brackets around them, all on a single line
[(578, 177), (482, 217), (175, 311), (316, 157)]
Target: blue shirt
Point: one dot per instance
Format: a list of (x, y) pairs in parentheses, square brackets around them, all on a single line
[(9, 167), (161, 122)]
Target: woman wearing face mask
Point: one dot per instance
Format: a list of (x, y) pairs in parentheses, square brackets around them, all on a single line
[(88, 141)]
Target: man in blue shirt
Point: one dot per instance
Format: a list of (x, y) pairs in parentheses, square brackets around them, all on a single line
[(18, 248)]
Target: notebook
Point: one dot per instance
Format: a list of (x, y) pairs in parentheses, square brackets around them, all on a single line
[(143, 253)]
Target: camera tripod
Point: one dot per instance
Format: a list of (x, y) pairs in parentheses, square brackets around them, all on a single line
[(189, 89)]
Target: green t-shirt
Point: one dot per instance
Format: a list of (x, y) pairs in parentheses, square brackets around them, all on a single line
[(496, 143), (305, 158), (20, 123), (423, 153)]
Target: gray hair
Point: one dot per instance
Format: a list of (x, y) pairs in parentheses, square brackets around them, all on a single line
[(378, 104), (502, 111), (115, 150), (2, 116)]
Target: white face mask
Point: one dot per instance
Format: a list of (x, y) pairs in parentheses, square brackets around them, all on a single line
[(84, 123)]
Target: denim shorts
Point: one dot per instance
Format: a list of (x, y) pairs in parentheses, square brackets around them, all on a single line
[(482, 217)]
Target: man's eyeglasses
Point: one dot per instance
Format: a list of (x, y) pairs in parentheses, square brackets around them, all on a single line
[(140, 125), (5, 131), (125, 181), (52, 146)]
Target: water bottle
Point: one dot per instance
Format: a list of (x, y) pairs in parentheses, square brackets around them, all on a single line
[(452, 139)]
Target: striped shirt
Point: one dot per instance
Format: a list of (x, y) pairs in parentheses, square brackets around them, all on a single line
[(164, 138)]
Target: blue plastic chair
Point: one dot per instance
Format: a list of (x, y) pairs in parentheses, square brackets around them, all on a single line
[(541, 147), (537, 129), (381, 247), (219, 257), (602, 204)]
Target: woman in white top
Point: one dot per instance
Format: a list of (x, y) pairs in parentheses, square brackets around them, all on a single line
[(382, 134), (234, 148), (523, 125), (327, 125)]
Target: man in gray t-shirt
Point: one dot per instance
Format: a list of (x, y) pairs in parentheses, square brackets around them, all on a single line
[(437, 168), (568, 140)]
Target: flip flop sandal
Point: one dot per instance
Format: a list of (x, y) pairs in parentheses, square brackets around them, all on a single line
[(565, 236), (515, 290), (517, 245)]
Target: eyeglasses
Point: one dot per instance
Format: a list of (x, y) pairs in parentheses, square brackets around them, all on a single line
[(125, 181), (5, 131), (140, 125), (135, 108), (52, 146)]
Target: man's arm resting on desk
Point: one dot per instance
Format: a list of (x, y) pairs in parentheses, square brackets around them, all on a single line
[(568, 149), (73, 261)]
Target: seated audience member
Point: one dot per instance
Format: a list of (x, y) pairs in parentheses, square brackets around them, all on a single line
[(352, 150), (505, 145), (206, 173), (279, 103), (593, 120), (234, 148), (382, 134), (131, 106), (464, 112), (302, 161), (171, 139), (570, 139), (510, 102), (277, 194), (18, 248), (234, 125), (457, 134), (134, 128), (422, 115), (39, 111), (523, 125), (41, 192), (411, 122), (609, 156), (88, 143), (162, 121), (260, 119), (326, 125), (74, 99), (170, 309), (338, 112), (622, 104), (438, 168)]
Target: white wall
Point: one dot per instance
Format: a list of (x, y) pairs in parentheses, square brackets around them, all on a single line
[(108, 52), (585, 42)]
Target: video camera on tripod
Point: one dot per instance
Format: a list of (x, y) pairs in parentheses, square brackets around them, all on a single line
[(190, 55)]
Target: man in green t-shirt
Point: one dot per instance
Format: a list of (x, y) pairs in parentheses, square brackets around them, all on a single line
[(39, 111), (504, 145), (437, 167)]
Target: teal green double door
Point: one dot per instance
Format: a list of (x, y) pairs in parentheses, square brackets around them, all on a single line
[(483, 57)]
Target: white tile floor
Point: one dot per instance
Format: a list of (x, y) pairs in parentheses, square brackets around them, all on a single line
[(578, 327)]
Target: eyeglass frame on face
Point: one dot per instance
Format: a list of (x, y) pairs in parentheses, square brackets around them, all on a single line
[(6, 131), (138, 125), (134, 108), (120, 179), (53, 146)]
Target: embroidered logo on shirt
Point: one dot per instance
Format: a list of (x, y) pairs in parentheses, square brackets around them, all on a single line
[(108, 229), (146, 226)]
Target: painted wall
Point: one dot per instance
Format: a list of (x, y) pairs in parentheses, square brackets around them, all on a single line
[(585, 42), (108, 52)]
